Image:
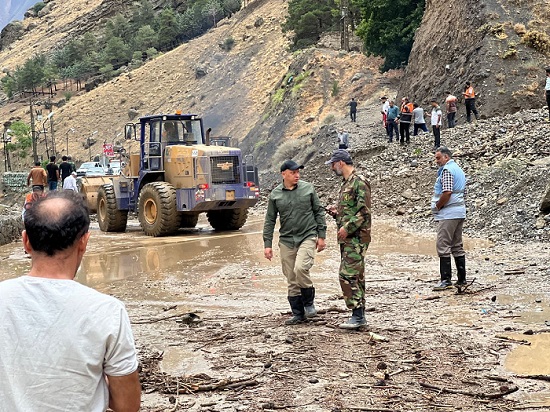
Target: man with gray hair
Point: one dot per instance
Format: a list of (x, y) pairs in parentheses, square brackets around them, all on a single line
[(449, 212)]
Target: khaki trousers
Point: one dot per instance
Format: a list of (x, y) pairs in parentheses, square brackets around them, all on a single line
[(449, 238), (296, 263)]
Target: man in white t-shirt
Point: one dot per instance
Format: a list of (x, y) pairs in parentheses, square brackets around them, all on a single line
[(436, 123), (63, 346), (384, 112)]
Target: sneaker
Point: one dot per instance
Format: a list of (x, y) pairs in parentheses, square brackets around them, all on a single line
[(445, 284), (461, 283)]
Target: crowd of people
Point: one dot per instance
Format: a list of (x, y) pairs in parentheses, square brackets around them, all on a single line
[(398, 120), (39, 177)]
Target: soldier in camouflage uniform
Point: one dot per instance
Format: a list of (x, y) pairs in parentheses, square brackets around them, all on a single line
[(353, 219)]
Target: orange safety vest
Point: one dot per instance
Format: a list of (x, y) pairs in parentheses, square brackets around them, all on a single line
[(409, 106), (469, 93)]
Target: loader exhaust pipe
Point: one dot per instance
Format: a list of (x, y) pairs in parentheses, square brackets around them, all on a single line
[(208, 131)]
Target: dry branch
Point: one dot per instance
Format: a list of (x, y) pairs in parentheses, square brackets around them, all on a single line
[(504, 390)]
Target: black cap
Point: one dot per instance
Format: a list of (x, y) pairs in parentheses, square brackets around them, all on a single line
[(340, 155), (290, 165)]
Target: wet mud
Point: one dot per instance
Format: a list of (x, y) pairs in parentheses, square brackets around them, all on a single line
[(208, 312)]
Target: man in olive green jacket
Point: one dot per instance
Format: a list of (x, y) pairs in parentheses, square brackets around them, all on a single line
[(302, 233)]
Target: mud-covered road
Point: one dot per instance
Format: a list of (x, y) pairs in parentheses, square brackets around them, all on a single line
[(421, 350)]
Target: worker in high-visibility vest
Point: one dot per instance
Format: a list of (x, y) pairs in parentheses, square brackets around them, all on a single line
[(547, 90), (470, 101)]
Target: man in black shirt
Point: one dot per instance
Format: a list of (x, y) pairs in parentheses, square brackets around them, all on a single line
[(352, 109), (66, 168), (53, 174)]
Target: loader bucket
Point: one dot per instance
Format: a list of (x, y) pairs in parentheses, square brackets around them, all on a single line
[(89, 187)]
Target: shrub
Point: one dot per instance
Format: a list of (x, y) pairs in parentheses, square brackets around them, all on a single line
[(511, 51), (228, 44), (37, 7), (335, 88), (329, 119), (288, 150), (68, 94), (278, 96), (537, 40)]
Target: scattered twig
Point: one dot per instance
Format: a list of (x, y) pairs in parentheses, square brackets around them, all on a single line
[(153, 320), (515, 340), (369, 409), (483, 289), (504, 390), (460, 290), (537, 377)]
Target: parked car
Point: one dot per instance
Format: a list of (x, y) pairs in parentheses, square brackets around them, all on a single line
[(115, 165), (98, 169), (95, 171)]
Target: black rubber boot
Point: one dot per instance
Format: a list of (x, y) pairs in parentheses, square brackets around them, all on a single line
[(308, 296), (460, 262), (357, 319), (298, 312), (445, 272)]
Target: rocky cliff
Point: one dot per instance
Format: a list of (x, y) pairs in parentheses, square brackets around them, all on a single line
[(501, 46)]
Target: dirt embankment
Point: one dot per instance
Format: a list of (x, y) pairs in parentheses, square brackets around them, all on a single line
[(485, 42)]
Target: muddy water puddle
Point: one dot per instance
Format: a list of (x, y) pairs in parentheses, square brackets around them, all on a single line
[(209, 262)]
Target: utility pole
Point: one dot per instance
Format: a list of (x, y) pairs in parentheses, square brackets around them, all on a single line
[(54, 150), (33, 133), (344, 37)]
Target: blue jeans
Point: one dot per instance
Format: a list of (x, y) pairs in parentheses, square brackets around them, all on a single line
[(421, 126), (52, 185), (392, 126)]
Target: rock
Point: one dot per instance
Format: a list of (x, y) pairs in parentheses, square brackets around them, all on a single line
[(357, 76), (259, 22), (502, 201), (200, 72), (401, 211), (540, 223), (313, 380), (132, 114), (407, 194)]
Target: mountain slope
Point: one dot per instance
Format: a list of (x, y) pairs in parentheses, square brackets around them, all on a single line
[(232, 93)]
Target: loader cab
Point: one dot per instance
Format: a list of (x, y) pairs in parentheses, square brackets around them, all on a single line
[(160, 131)]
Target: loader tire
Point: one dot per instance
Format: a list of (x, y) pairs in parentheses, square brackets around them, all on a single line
[(157, 210), (109, 217), (188, 219), (228, 219)]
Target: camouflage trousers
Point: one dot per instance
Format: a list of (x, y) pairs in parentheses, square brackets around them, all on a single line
[(352, 272)]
